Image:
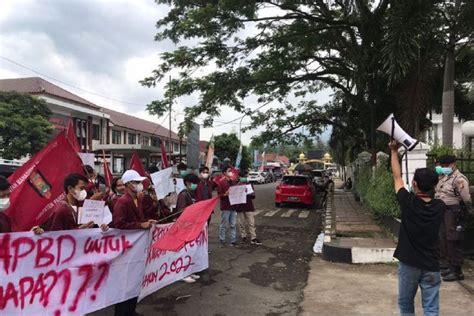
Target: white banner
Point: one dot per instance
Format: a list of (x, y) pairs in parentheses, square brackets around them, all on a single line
[(81, 271), (166, 267)]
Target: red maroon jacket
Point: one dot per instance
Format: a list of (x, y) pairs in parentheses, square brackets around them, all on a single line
[(63, 217), (149, 208), (201, 190), (5, 226), (126, 214), (248, 205), (222, 187)]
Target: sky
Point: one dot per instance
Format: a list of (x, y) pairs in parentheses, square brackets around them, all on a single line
[(99, 50)]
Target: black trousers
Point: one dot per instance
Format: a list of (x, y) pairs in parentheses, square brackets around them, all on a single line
[(451, 254), (126, 308)]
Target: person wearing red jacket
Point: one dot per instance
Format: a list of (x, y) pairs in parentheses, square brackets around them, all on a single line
[(204, 188), (228, 213)]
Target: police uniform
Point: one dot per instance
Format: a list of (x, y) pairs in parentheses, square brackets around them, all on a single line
[(453, 190)]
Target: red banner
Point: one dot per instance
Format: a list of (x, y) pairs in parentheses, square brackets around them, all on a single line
[(37, 186), (164, 158), (188, 226), (71, 136), (136, 164), (107, 173)]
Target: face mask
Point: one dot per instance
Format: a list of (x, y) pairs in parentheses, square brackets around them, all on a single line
[(447, 170), (243, 180), (80, 195), (183, 173), (193, 186), (439, 170), (204, 175), (4, 204), (138, 187)]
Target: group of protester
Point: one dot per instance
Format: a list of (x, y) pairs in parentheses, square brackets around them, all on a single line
[(432, 229), (134, 205)]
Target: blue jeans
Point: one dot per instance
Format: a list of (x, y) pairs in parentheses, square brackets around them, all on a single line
[(228, 217), (409, 278)]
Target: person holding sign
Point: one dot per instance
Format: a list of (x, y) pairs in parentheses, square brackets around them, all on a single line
[(245, 213), (228, 213), (418, 244), (128, 214), (64, 216)]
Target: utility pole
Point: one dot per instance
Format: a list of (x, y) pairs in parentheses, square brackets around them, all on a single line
[(171, 144)]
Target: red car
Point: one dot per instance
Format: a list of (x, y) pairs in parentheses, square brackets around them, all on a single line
[(295, 189)]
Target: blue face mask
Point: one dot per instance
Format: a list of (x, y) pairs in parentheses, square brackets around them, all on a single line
[(183, 173), (439, 170), (444, 170)]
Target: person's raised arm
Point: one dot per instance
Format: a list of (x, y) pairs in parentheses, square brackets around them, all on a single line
[(396, 170)]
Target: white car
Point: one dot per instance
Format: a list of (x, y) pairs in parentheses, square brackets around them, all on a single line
[(256, 177)]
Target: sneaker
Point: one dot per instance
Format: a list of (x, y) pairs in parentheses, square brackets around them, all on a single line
[(255, 241), (221, 244), (453, 276), (244, 240), (195, 276), (188, 280), (233, 244)]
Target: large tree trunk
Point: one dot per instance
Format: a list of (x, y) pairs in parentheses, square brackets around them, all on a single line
[(448, 98)]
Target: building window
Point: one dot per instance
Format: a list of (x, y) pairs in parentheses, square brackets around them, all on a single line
[(145, 140), (175, 147), (183, 148), (167, 145), (95, 131), (117, 165), (116, 137), (155, 141), (132, 138)]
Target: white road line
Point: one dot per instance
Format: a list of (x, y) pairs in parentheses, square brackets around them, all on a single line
[(257, 212), (271, 213), (288, 213), (303, 214)]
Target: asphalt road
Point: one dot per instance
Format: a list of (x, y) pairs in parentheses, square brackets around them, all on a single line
[(248, 279)]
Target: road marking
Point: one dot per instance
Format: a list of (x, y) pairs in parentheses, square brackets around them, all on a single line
[(271, 213), (303, 214), (257, 212), (288, 213)]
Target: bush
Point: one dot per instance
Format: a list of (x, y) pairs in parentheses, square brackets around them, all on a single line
[(377, 192)]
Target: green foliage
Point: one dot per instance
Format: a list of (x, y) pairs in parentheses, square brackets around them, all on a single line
[(24, 125), (226, 146), (377, 192), (246, 161)]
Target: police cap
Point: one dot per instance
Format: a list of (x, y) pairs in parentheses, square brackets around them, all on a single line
[(446, 159)]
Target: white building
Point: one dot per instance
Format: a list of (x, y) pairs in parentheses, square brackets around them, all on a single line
[(434, 135)]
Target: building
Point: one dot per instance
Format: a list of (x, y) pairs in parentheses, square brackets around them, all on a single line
[(100, 130)]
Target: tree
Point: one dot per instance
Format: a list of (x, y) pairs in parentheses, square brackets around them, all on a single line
[(24, 125), (378, 56)]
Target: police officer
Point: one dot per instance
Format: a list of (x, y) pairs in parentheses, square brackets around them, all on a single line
[(453, 190)]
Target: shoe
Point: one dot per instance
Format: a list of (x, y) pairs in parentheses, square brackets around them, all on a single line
[(445, 272), (453, 276), (244, 240), (221, 244), (188, 280), (255, 241), (233, 244), (195, 276)]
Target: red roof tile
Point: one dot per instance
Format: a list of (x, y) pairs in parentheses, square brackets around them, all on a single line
[(36, 85)]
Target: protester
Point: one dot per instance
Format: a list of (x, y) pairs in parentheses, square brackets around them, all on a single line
[(204, 188), (185, 199), (118, 189), (417, 249), (245, 215), (128, 214), (453, 190), (5, 226), (228, 213), (182, 169), (64, 215), (92, 187)]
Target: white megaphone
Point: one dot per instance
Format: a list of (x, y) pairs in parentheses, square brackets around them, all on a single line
[(391, 127)]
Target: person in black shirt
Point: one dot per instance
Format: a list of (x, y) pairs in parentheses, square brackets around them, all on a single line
[(418, 242)]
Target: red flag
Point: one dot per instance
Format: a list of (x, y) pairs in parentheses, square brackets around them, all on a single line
[(136, 164), (164, 158), (188, 226), (107, 173), (71, 136), (37, 186)]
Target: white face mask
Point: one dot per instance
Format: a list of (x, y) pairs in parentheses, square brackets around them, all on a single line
[(205, 175), (80, 195), (138, 187), (4, 204)]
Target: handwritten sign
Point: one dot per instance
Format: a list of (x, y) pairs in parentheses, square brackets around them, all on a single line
[(249, 189), (179, 185), (166, 267), (237, 194), (163, 183), (92, 211)]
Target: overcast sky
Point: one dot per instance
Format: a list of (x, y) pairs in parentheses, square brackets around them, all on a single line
[(101, 46)]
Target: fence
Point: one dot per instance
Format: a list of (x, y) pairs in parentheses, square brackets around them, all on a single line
[(464, 162)]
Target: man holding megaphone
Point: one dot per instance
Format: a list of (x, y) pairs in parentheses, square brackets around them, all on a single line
[(418, 240)]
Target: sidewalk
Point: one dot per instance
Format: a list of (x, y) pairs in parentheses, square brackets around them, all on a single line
[(354, 236), (369, 289)]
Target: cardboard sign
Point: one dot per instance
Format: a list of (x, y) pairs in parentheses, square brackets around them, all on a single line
[(92, 211), (163, 182), (237, 194)]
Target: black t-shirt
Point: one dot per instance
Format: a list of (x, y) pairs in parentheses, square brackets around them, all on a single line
[(418, 240)]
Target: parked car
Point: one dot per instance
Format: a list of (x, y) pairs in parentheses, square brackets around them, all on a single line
[(269, 177), (256, 177), (318, 178), (295, 189)]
